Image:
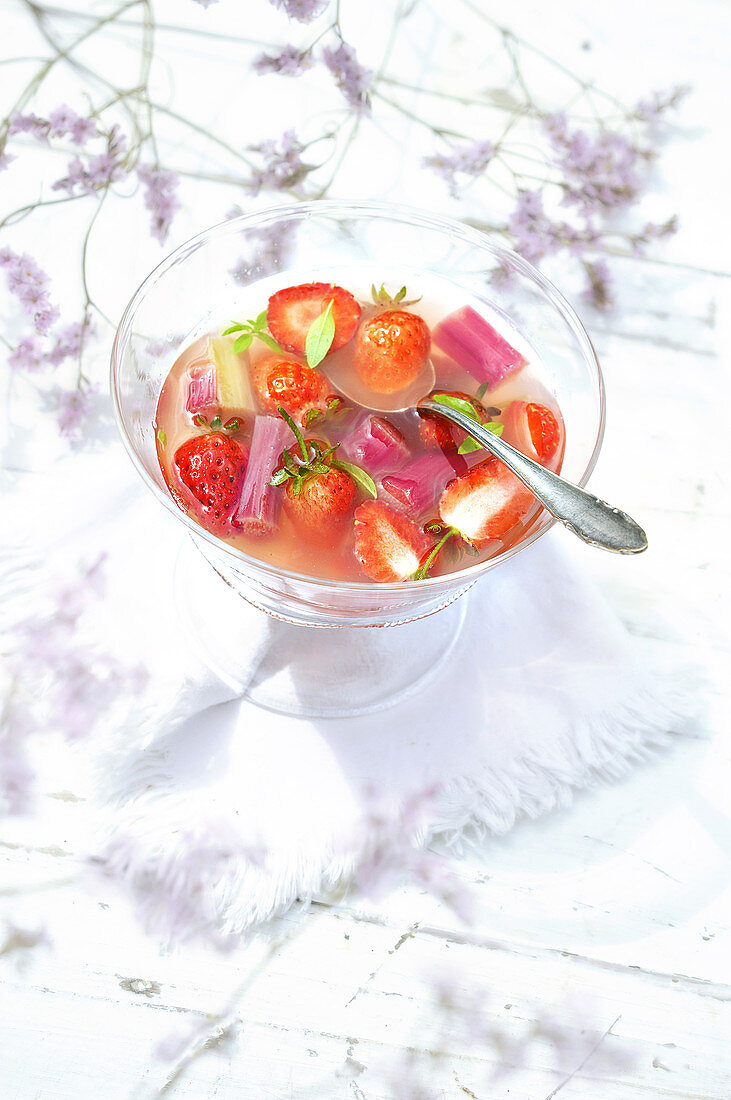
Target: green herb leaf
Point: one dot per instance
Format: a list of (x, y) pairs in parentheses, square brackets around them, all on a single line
[(261, 320), (270, 342), (243, 342), (234, 327), (469, 444), (459, 404), (360, 477), (162, 437), (320, 336), (216, 423), (481, 391)]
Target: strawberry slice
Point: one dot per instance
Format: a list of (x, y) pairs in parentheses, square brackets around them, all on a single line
[(322, 504), (533, 429), (388, 545), (485, 502), (212, 469), (296, 388), (291, 312)]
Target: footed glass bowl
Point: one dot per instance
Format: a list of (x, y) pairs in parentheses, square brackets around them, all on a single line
[(200, 283)]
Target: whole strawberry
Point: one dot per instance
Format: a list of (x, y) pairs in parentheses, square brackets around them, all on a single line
[(211, 468), (322, 504), (297, 388), (388, 545), (391, 350), (319, 488)]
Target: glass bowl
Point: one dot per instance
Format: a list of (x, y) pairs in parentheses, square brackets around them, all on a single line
[(200, 284)]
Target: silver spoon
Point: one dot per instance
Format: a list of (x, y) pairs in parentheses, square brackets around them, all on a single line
[(592, 519)]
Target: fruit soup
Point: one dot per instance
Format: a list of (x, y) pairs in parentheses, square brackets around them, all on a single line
[(292, 431)]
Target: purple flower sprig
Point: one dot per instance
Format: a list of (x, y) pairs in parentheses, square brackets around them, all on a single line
[(28, 283)]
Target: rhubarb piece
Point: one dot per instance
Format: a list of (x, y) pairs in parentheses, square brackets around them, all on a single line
[(259, 503), (376, 444), (232, 377), (475, 345), (420, 482), (201, 390)]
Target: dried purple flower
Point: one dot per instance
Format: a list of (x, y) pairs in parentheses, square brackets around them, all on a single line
[(600, 171), (302, 10), (6, 160), (468, 161), (69, 342), (27, 355), (63, 120), (72, 408), (100, 170), (28, 283), (160, 198), (652, 109), (288, 62), (29, 124), (353, 80), (282, 164), (206, 3)]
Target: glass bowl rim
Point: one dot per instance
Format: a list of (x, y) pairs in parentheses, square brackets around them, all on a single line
[(342, 208)]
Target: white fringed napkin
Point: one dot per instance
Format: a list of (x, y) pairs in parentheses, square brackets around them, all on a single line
[(244, 810)]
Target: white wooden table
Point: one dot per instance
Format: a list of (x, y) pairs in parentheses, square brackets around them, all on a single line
[(608, 922)]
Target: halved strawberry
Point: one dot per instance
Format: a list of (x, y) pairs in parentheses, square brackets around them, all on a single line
[(391, 349), (485, 502), (292, 311), (533, 429), (280, 381), (212, 469), (388, 545), (323, 503)]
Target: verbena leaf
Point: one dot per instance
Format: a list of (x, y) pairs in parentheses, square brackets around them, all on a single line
[(243, 342), (457, 403), (481, 390), (261, 320), (234, 327), (162, 437), (270, 342), (360, 477), (320, 336), (469, 444)]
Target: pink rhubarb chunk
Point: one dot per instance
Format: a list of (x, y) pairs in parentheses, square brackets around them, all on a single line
[(259, 504), (475, 345), (201, 390), (420, 482), (375, 444)]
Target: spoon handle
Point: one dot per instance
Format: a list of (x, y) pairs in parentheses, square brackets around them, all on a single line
[(592, 519)]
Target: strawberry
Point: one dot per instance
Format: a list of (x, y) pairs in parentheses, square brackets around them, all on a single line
[(292, 311), (391, 349), (388, 545), (485, 502), (323, 503), (297, 388), (212, 468), (437, 433), (533, 429)]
